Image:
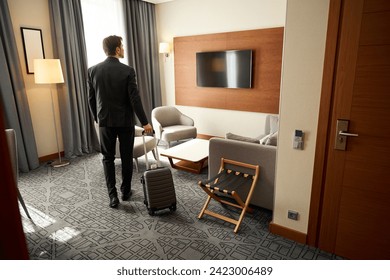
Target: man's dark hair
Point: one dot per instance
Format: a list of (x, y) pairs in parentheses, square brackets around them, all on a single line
[(111, 43)]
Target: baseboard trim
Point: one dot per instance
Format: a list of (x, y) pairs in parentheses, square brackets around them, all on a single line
[(288, 233), (49, 157)]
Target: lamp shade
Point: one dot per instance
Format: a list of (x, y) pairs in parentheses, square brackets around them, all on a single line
[(48, 71), (164, 48)]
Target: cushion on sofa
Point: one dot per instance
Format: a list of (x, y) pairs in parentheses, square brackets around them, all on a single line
[(265, 139), (272, 139), (241, 138)]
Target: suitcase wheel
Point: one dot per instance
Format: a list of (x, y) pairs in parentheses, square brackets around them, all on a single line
[(172, 207), (151, 212)]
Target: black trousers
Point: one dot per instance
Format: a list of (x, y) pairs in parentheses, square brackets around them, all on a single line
[(108, 136)]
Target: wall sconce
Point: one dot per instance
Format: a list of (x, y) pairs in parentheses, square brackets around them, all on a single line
[(165, 49)]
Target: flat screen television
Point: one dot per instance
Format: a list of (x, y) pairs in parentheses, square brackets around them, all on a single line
[(226, 69)]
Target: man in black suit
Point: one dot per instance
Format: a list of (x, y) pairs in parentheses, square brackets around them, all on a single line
[(113, 99)]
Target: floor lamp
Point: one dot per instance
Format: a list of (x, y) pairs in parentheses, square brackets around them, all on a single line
[(48, 71)]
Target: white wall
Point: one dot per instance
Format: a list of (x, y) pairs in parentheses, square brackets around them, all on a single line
[(194, 17), (303, 57), (35, 14)]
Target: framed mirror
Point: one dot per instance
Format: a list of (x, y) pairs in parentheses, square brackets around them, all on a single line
[(32, 46)]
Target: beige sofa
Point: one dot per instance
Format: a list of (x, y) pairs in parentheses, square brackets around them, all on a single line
[(244, 150)]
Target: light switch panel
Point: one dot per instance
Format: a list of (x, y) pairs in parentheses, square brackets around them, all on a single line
[(298, 139)]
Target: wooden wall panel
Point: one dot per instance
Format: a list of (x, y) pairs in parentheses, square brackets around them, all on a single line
[(267, 45)]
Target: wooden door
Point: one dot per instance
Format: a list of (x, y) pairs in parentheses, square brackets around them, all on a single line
[(354, 220)]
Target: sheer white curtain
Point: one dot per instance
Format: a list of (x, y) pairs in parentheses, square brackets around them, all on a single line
[(102, 18)]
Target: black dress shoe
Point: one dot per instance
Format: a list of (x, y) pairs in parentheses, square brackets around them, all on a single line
[(127, 196), (114, 201)]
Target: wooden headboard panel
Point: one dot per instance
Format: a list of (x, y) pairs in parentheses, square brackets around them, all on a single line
[(267, 45)]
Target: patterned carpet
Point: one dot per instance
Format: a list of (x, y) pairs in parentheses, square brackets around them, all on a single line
[(72, 220)]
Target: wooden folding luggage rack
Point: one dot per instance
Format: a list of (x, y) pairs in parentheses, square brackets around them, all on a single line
[(227, 181)]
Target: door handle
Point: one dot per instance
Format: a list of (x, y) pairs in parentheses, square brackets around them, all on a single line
[(342, 134)]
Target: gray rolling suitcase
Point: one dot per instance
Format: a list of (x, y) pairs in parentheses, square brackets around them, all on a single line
[(159, 190)]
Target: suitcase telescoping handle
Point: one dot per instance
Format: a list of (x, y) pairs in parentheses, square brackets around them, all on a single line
[(155, 149)]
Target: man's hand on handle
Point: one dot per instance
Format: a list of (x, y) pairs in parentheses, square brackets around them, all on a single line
[(148, 128)]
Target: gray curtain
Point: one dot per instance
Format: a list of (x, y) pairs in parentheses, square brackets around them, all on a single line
[(79, 135), (13, 94), (142, 49)]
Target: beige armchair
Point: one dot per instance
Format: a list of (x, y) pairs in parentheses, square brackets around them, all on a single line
[(12, 146), (172, 125), (138, 149)]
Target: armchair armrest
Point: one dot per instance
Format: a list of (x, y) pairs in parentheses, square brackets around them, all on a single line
[(138, 131), (157, 128), (186, 120)]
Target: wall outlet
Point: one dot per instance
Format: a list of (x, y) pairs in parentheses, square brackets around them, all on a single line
[(293, 215)]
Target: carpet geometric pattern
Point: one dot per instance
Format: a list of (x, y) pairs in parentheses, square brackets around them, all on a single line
[(72, 220)]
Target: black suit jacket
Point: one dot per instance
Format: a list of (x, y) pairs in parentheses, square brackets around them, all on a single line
[(113, 94)]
